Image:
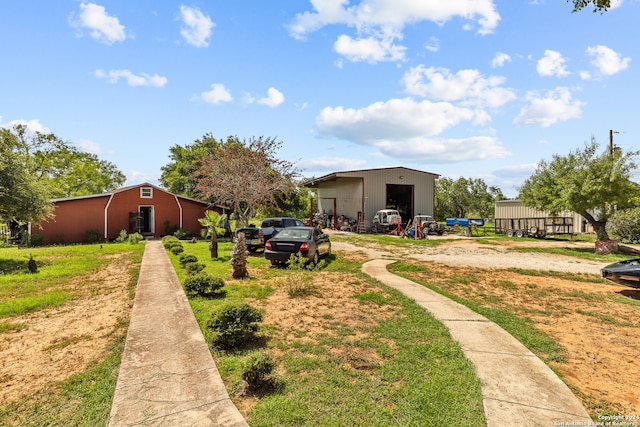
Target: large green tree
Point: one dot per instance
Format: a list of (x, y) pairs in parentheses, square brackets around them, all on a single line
[(585, 181), (465, 197), (244, 176), (22, 196), (177, 176), (62, 167)]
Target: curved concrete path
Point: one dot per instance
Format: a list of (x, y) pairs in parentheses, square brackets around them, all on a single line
[(517, 387), (167, 375)]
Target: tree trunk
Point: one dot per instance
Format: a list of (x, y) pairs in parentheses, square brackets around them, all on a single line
[(213, 245), (598, 226)]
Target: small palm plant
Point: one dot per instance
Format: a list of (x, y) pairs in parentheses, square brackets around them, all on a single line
[(211, 221)]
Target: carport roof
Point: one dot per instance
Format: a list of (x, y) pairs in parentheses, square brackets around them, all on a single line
[(313, 182)]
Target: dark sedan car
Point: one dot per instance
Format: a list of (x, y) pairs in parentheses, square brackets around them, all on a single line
[(309, 241), (624, 272)]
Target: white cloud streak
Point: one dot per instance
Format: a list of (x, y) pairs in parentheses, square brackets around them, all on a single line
[(102, 27), (143, 79), (196, 26)]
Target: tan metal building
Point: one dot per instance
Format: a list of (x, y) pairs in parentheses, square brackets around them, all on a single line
[(361, 193), (514, 209)]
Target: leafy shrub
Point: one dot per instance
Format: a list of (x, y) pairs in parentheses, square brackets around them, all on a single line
[(234, 325), (181, 234), (31, 239), (186, 258), (300, 282), (624, 226), (122, 237), (176, 249), (37, 239), (257, 370), (92, 236), (194, 267), (170, 228), (202, 284), (135, 238)]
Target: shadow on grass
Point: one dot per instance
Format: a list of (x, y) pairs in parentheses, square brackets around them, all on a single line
[(11, 265), (631, 293)]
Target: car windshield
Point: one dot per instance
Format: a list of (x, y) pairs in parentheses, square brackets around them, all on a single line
[(292, 233)]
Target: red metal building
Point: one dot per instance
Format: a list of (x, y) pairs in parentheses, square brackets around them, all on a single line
[(144, 208)]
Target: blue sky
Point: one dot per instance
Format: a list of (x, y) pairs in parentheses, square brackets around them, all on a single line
[(472, 88)]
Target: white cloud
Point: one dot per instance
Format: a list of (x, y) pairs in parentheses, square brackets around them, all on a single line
[(92, 147), (143, 79), (500, 59), (329, 164), (516, 171), (32, 125), (379, 23), (102, 27), (217, 94), (468, 87), (369, 49), (555, 106), (552, 64), (606, 60), (196, 28), (393, 14), (404, 128), (273, 99), (433, 45)]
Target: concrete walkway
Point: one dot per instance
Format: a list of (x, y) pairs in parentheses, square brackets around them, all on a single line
[(517, 387), (167, 375)]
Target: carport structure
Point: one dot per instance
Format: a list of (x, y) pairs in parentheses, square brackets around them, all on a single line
[(359, 194)]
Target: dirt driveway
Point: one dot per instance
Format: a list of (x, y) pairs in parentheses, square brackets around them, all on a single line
[(596, 322)]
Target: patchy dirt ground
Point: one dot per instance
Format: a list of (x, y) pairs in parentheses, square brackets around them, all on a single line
[(59, 343)]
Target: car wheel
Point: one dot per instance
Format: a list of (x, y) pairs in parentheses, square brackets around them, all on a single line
[(274, 262), (519, 233), (316, 258), (509, 233)]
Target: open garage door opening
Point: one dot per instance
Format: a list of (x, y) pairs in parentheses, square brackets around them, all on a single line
[(400, 197)]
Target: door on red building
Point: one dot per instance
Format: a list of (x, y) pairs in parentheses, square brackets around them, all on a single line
[(146, 220)]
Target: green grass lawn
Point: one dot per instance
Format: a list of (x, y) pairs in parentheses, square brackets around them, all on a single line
[(63, 275), (402, 369)]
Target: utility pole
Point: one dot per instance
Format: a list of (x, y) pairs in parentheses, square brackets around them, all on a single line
[(611, 132)]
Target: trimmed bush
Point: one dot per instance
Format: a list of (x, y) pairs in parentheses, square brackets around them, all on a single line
[(186, 258), (194, 267), (168, 241), (176, 249), (624, 226), (234, 325), (202, 284), (257, 370)]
